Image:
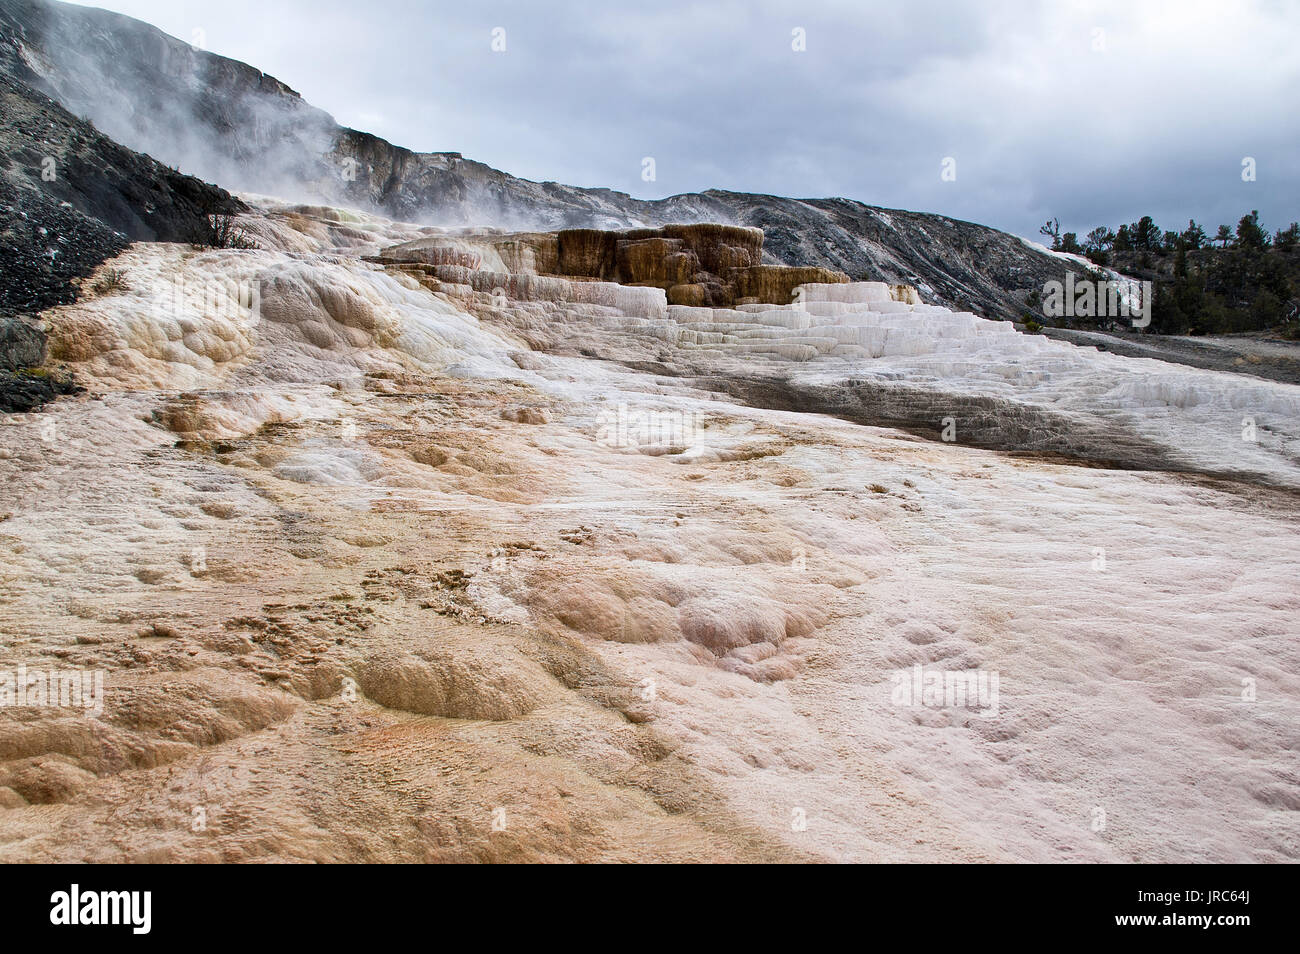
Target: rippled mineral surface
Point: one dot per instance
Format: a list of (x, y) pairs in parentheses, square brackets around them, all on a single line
[(389, 544)]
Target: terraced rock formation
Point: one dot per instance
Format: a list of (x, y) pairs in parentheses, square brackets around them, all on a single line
[(376, 565), (705, 264), (228, 122)]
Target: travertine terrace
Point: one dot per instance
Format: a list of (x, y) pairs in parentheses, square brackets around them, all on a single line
[(407, 544)]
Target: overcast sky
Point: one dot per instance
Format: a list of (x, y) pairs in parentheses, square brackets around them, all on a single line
[(1093, 112)]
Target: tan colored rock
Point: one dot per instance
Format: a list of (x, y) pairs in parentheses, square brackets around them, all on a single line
[(588, 253), (904, 293), (655, 261), (720, 247), (439, 683), (530, 253), (775, 284), (525, 415), (688, 294)]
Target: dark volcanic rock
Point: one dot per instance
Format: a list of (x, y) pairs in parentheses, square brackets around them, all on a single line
[(45, 244), (25, 391), (24, 386), (231, 123), (22, 345), (70, 198), (48, 150)]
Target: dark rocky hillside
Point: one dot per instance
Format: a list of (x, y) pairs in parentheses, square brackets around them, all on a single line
[(70, 197), (230, 123)]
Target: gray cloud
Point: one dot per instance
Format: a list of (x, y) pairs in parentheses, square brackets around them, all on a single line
[(1043, 115)]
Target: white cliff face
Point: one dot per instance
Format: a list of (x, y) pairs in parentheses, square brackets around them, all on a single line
[(367, 558)]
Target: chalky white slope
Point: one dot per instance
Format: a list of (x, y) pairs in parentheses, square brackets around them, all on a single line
[(384, 568), (931, 358)]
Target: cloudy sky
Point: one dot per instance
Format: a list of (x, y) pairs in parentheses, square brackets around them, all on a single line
[(1093, 112)]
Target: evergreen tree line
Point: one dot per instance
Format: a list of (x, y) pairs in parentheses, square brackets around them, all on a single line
[(1236, 280)]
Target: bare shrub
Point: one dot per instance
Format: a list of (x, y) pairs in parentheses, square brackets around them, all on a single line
[(220, 231)]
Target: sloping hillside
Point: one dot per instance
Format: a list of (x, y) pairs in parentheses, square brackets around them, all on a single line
[(230, 123), (72, 197)]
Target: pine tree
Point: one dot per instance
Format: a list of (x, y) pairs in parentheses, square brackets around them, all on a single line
[(1249, 234), (1194, 236), (1224, 236), (1099, 239), (1146, 234), (1288, 238), (1097, 244)]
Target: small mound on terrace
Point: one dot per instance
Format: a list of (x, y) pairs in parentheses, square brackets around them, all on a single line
[(452, 685)]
